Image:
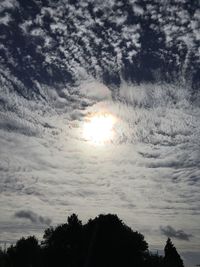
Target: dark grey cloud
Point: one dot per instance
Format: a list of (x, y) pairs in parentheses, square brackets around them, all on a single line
[(169, 231), (33, 217)]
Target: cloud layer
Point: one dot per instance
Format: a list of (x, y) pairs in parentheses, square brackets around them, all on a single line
[(60, 63), (56, 43)]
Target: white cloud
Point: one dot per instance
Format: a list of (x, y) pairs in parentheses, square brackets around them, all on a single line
[(95, 90), (148, 174), (153, 159), (5, 19), (8, 4)]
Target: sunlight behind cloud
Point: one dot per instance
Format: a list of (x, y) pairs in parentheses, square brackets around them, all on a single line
[(98, 129)]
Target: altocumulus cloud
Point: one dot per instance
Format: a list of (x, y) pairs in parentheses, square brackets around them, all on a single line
[(169, 231), (83, 62), (33, 217)]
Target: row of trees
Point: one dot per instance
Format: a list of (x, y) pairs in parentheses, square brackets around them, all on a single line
[(101, 242)]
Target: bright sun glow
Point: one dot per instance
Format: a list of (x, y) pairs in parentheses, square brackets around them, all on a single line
[(98, 129)]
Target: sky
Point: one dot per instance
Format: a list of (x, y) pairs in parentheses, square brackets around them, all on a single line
[(64, 63)]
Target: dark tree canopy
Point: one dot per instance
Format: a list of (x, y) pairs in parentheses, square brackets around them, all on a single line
[(111, 243), (24, 253), (104, 241), (172, 258)]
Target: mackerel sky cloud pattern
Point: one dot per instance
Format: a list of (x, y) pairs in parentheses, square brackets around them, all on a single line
[(63, 61)]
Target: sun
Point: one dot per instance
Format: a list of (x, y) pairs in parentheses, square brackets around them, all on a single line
[(98, 128)]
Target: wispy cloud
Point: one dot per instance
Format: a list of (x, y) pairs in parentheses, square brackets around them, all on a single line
[(32, 216), (169, 231)]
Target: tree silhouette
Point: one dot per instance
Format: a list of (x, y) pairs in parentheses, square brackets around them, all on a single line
[(24, 253), (104, 241), (154, 260), (3, 257), (172, 258), (63, 244), (110, 242)]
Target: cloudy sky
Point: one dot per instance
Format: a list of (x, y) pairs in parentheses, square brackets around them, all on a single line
[(64, 63)]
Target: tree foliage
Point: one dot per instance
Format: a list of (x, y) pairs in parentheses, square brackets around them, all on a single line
[(102, 242), (172, 258)]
